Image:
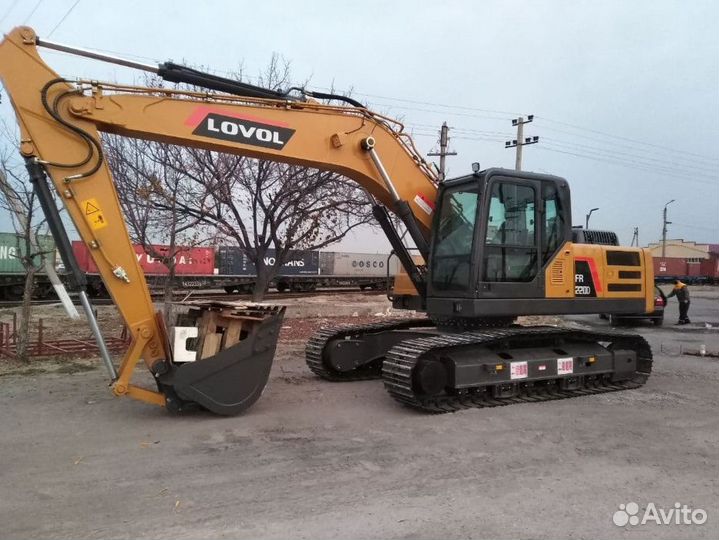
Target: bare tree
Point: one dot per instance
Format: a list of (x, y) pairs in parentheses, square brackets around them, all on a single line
[(18, 199), (262, 205), (152, 192), (255, 204)]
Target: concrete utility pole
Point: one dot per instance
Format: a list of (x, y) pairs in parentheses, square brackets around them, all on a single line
[(521, 140), (664, 229), (586, 223), (443, 153), (635, 238)]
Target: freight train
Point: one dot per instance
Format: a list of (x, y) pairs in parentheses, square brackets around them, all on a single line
[(208, 267), (693, 271), (229, 268)]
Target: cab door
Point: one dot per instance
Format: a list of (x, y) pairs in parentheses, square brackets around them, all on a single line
[(452, 259), (510, 237)]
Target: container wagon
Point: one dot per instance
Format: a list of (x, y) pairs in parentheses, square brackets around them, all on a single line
[(12, 273), (309, 270), (194, 267), (299, 272), (365, 270), (229, 268), (222, 267), (688, 270)]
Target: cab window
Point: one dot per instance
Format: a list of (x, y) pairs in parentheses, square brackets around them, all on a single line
[(510, 242), (553, 221), (452, 257)]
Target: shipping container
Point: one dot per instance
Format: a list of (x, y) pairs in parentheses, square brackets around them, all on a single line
[(12, 246), (327, 263), (669, 267), (710, 267), (334, 263), (694, 267), (232, 261), (188, 261), (692, 270)]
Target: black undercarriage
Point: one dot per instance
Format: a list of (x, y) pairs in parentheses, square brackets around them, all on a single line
[(444, 370)]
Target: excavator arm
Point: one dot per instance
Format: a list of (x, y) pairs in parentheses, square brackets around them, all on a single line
[(60, 123)]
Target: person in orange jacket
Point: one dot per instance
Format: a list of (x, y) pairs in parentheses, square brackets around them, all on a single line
[(681, 291)]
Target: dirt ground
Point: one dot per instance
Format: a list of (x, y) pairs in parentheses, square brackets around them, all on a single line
[(314, 459)]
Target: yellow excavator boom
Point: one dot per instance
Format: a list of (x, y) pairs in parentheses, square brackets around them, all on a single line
[(60, 123)]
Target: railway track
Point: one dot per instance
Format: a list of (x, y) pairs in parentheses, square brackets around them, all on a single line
[(219, 296)]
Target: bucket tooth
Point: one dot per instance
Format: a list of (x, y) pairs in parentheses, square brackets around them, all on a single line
[(230, 381)]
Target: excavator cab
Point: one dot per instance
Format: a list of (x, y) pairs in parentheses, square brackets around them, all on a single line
[(502, 247), (495, 234)]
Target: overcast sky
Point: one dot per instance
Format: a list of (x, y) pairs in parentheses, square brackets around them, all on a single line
[(625, 94)]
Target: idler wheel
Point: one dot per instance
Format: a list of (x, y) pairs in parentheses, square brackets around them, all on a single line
[(430, 377)]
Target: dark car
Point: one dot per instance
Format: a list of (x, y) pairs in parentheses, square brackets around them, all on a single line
[(656, 316)]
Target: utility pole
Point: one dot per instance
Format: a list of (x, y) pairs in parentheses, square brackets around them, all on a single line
[(635, 238), (443, 152), (664, 229), (586, 223), (521, 140)]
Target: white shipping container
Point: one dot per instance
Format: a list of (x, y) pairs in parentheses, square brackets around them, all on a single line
[(358, 264)]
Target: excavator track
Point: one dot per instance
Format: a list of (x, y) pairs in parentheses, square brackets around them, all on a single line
[(399, 364), (315, 348)]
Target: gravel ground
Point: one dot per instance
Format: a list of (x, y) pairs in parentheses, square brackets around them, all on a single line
[(319, 460)]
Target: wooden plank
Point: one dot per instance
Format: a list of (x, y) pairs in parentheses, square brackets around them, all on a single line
[(206, 325), (211, 345), (232, 334)]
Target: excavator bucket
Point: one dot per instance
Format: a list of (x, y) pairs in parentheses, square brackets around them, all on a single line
[(222, 363)]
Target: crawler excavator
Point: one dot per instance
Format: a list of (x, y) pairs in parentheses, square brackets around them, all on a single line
[(497, 244)]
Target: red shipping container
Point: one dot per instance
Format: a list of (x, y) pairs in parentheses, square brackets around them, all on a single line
[(189, 261), (694, 268), (669, 266), (710, 266)]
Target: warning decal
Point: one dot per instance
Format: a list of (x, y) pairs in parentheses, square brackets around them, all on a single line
[(93, 214), (424, 203)]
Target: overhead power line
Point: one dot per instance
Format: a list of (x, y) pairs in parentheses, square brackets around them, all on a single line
[(628, 139), (678, 172), (435, 104), (651, 161), (537, 117), (650, 152), (63, 18), (712, 162), (562, 147), (672, 174), (32, 12), (713, 229), (9, 10), (435, 111), (503, 134)]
